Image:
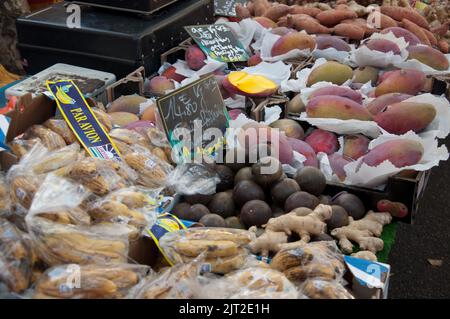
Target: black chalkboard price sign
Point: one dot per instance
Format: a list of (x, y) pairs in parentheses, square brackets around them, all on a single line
[(194, 117), (218, 42), (227, 8)]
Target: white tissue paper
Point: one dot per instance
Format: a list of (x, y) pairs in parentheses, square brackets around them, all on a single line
[(332, 54), (210, 66), (417, 65), (278, 72), (267, 43), (360, 174), (364, 56), (296, 85), (246, 31)]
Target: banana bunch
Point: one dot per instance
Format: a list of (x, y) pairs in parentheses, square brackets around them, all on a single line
[(15, 258), (319, 260), (50, 139), (22, 190), (57, 159), (4, 196), (20, 147), (178, 282), (324, 289), (103, 118), (61, 128), (60, 244), (260, 283), (73, 216), (101, 176), (62, 96), (152, 171), (89, 282), (223, 249)]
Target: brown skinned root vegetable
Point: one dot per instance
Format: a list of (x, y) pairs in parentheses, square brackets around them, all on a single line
[(304, 226), (396, 209), (277, 11), (350, 31), (365, 254), (399, 14), (365, 232), (311, 26), (380, 21), (416, 30), (332, 17), (296, 9)]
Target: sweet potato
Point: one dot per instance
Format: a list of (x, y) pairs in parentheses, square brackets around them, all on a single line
[(296, 9), (332, 17), (350, 31), (251, 8), (260, 7), (418, 31), (311, 26), (440, 30), (277, 11), (430, 37), (443, 46), (380, 21), (368, 30), (242, 12), (399, 13)]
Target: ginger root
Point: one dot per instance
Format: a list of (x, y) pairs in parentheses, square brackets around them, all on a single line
[(277, 229), (364, 232), (367, 255)]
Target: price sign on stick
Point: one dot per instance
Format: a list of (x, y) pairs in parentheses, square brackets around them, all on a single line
[(195, 118), (218, 42), (227, 8)]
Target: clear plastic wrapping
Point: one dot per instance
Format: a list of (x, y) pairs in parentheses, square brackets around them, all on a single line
[(193, 178), (15, 258), (324, 289), (60, 227), (112, 281), (224, 249), (20, 147), (60, 127), (316, 260), (4, 197), (50, 139)]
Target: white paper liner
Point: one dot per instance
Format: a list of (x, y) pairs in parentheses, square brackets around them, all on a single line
[(332, 54), (278, 72), (363, 56), (360, 174), (306, 92), (210, 66), (325, 167), (296, 85), (246, 30), (417, 65), (267, 43), (238, 102)]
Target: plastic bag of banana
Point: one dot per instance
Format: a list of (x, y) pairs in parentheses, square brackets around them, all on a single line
[(15, 258), (61, 229), (110, 281), (225, 249), (4, 197)]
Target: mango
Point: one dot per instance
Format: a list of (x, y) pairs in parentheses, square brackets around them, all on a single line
[(122, 118), (402, 81), (282, 31), (250, 85), (171, 74), (290, 128), (296, 105), (429, 56), (400, 152), (355, 146), (328, 106), (380, 103), (150, 113), (291, 41), (323, 141), (402, 117), (329, 41), (337, 163), (409, 37), (127, 103), (331, 71), (255, 59), (383, 45), (306, 150), (158, 85), (338, 91), (365, 74), (265, 22), (195, 58)]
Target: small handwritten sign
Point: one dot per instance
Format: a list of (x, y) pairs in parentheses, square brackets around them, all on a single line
[(194, 117), (218, 42), (227, 8)]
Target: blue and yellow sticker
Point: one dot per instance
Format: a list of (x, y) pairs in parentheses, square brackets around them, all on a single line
[(165, 223), (82, 120)]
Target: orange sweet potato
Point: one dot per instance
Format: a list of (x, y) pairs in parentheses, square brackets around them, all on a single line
[(277, 11), (332, 17), (380, 21), (296, 9), (440, 30), (430, 37), (304, 22), (368, 30), (260, 7), (350, 31), (418, 31), (399, 13), (443, 46), (242, 12)]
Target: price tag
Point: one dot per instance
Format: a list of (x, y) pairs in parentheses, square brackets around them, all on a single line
[(218, 42), (227, 8)]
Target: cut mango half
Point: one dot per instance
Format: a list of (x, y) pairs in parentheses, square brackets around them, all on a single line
[(242, 83)]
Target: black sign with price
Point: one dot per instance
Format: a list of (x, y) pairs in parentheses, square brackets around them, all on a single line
[(218, 42), (227, 8), (194, 117)]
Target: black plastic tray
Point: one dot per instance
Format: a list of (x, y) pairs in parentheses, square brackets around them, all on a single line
[(138, 6)]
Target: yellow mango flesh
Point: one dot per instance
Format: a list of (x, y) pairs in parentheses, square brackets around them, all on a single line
[(251, 84)]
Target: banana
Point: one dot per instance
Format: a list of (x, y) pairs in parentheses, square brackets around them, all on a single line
[(301, 273), (213, 248), (286, 259)]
